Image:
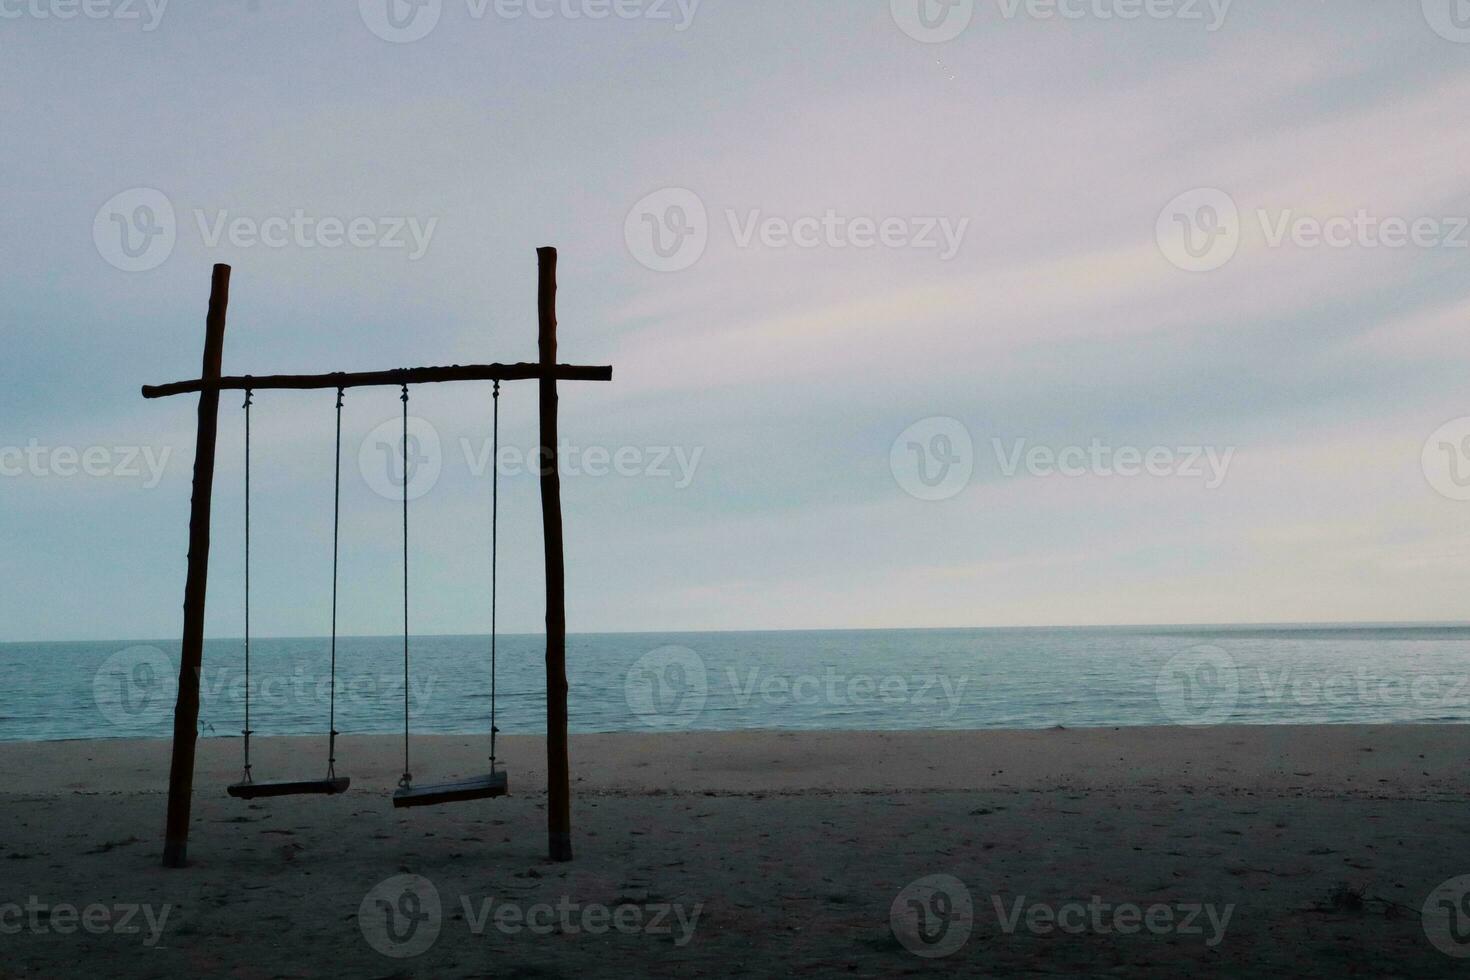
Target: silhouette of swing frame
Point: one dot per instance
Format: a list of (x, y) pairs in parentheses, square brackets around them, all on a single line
[(211, 382)]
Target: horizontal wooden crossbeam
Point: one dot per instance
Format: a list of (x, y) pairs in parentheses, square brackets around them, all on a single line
[(400, 376)]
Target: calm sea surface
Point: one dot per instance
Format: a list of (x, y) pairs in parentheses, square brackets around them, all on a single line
[(891, 679)]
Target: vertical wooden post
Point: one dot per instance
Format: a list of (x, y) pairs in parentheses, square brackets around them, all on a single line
[(558, 778), (186, 711)]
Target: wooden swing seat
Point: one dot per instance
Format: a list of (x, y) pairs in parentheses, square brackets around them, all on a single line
[(479, 788), (303, 787)]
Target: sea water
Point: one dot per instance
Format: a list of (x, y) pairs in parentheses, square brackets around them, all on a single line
[(860, 680)]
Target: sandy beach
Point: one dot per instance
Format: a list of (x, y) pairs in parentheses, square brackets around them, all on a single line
[(1236, 851)]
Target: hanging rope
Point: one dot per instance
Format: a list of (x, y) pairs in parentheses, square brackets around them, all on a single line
[(494, 556), (249, 400), (332, 732), (407, 781)]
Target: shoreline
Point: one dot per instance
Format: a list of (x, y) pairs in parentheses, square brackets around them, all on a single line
[(1332, 759), (234, 737)]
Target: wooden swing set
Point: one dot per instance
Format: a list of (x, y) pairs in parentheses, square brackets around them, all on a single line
[(186, 712)]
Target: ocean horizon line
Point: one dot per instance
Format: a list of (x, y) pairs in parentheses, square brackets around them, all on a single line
[(1349, 625)]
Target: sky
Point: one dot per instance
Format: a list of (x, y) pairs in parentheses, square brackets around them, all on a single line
[(922, 314)]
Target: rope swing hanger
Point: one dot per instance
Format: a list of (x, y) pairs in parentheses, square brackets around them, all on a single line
[(247, 788), (496, 782), (494, 557), (246, 732), (332, 732), (405, 782)]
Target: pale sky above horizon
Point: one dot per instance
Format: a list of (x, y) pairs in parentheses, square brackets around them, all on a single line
[(895, 229)]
